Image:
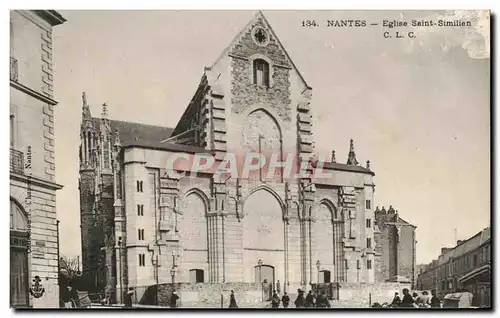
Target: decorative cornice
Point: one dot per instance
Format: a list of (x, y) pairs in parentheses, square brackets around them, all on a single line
[(51, 16), (32, 93), (36, 181)]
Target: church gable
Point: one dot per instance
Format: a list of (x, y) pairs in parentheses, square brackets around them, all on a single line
[(260, 70), (258, 38)]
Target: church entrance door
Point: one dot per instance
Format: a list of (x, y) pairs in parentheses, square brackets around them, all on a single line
[(265, 276)]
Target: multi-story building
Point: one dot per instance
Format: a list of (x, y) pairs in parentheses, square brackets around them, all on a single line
[(467, 266), (33, 225), (235, 229), (396, 244)]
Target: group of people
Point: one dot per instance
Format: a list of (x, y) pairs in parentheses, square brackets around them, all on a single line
[(415, 300), (129, 295), (312, 300)]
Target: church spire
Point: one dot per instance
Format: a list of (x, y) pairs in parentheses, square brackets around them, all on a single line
[(104, 113), (351, 159), (85, 108)]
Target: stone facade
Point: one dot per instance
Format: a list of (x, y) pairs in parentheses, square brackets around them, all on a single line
[(395, 242), (467, 266), (209, 229), (33, 225)]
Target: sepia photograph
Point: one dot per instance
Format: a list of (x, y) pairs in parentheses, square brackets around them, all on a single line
[(222, 159)]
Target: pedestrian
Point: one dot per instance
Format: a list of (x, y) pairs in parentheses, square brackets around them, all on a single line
[(309, 300), (407, 301), (275, 300), (299, 302), (396, 301), (232, 300), (435, 302), (173, 299), (278, 287), (322, 301), (128, 298), (426, 301), (69, 297), (285, 300), (267, 290)]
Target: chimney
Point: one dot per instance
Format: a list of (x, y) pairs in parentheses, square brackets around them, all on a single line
[(459, 242), (445, 250)]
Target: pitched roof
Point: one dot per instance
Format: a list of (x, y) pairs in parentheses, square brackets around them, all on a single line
[(401, 220), (345, 167), (235, 40), (145, 136)]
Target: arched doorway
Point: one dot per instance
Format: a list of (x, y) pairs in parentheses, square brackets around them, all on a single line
[(322, 239), (265, 277), (327, 245), (264, 236), (19, 241), (193, 230)]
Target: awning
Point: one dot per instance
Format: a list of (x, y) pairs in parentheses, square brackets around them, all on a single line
[(474, 273)]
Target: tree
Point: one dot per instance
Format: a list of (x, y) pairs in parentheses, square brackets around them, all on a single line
[(70, 266)]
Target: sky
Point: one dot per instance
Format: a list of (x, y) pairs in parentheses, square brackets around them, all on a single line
[(418, 109)]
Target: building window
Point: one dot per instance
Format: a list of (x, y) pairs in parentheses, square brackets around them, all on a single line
[(141, 234), (139, 186), (358, 264), (474, 260), (196, 276), (369, 264), (368, 242), (12, 131), (140, 210), (261, 72), (368, 223), (368, 204), (346, 263), (142, 260)]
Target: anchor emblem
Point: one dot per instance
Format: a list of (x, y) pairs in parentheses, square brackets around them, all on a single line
[(37, 289)]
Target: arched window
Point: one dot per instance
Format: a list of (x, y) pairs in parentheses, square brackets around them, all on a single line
[(18, 220), (261, 72)]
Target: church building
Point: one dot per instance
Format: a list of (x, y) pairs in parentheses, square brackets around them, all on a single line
[(144, 224)]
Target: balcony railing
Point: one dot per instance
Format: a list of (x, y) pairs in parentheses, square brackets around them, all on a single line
[(14, 74), (16, 161)]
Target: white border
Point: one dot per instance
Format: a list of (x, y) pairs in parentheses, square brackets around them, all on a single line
[(212, 5)]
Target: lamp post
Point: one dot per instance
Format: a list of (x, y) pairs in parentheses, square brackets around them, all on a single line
[(155, 264), (172, 273), (260, 278), (318, 264)]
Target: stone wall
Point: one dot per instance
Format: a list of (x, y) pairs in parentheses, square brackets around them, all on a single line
[(244, 92), (359, 294), (209, 295), (406, 261)]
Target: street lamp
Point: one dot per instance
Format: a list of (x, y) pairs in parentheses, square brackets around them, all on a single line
[(172, 273), (318, 264), (260, 278)]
